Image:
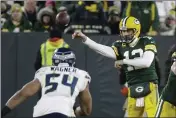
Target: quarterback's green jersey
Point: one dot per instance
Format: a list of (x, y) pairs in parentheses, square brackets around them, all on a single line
[(169, 91), (135, 75)]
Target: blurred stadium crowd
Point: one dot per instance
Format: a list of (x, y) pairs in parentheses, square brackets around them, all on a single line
[(94, 17)]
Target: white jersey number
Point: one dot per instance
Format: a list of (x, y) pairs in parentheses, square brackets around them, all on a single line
[(133, 53), (66, 80)]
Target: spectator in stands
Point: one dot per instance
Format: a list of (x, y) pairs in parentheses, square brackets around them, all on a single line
[(123, 6), (19, 2), (147, 13), (167, 13), (16, 22), (89, 18), (40, 5), (30, 11), (51, 4), (89, 10), (4, 12), (170, 23), (71, 6), (45, 19), (62, 9), (164, 9), (11, 2), (114, 20), (107, 5)]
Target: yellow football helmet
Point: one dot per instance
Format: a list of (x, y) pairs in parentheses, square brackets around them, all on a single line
[(130, 23)]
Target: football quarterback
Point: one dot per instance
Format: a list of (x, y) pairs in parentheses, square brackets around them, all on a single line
[(137, 55)]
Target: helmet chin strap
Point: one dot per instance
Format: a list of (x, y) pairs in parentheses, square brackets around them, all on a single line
[(133, 42)]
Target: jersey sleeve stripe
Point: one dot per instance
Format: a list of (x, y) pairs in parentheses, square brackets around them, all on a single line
[(115, 50), (150, 47)]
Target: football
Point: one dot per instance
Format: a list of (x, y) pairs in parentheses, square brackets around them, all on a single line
[(62, 18)]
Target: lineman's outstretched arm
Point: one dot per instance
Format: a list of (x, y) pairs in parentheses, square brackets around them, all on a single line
[(99, 48), (20, 96), (85, 98)]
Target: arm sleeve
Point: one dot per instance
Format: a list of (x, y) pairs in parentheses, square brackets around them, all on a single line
[(144, 61), (38, 61), (101, 49)]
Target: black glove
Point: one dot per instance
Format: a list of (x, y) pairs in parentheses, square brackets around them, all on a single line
[(5, 111)]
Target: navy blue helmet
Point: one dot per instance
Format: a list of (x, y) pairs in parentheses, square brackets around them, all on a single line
[(63, 55)]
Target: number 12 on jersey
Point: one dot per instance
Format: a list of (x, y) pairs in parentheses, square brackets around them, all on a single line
[(134, 54), (65, 81)]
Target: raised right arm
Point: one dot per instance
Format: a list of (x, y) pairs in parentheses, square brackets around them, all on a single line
[(99, 48)]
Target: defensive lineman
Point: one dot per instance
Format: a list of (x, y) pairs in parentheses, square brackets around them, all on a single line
[(60, 84)]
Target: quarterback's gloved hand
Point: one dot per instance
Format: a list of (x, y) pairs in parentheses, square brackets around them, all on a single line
[(79, 34)]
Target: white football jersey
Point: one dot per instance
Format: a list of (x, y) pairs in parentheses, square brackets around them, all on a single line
[(60, 87)]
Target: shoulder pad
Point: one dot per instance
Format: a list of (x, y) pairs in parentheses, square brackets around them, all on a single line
[(117, 43), (147, 38), (85, 75)]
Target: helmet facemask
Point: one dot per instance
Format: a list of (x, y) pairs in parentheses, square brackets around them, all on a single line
[(62, 56), (70, 62)]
